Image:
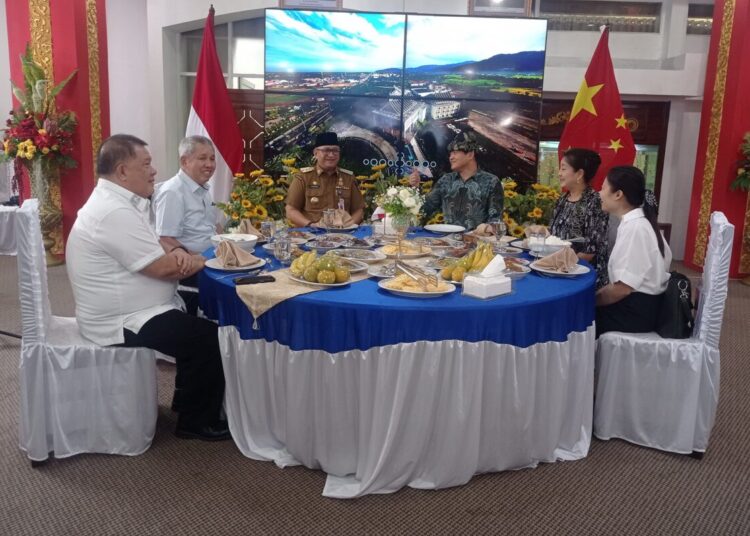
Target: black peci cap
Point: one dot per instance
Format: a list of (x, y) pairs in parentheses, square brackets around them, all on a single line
[(326, 138)]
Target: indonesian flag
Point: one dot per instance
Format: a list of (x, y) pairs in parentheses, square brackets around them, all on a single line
[(597, 121), (212, 116)]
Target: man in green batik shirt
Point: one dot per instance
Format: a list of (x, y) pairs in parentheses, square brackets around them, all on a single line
[(467, 196)]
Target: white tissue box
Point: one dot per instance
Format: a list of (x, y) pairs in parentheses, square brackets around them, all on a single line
[(486, 287)]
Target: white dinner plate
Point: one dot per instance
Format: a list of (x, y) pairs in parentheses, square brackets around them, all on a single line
[(362, 255), (216, 265), (355, 266), (415, 294), (425, 250), (348, 229), (444, 228), (580, 269), (316, 284)]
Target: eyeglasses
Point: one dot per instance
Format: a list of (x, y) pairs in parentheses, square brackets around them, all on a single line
[(329, 150)]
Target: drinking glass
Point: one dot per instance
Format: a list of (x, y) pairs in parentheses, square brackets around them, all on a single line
[(329, 215), (282, 250), (536, 244), (499, 228), (268, 230)]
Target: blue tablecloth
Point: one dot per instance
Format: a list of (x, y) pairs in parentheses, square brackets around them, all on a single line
[(362, 316)]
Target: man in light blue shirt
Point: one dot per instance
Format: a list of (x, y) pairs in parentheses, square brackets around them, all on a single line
[(185, 216)]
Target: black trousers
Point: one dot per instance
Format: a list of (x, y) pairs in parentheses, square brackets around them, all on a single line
[(636, 313), (194, 343), (190, 298)]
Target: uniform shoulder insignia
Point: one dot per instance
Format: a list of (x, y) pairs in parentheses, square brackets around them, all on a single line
[(342, 170), (306, 169)]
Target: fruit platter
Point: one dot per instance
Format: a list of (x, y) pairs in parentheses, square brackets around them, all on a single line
[(321, 271)]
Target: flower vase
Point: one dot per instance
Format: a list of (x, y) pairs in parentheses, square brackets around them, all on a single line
[(45, 186), (400, 224)]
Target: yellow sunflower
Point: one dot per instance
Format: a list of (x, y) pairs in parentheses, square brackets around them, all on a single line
[(535, 213), (288, 161), (246, 203), (235, 196), (517, 231), (379, 167), (256, 173), (247, 214), (266, 181), (368, 186), (261, 212), (235, 216), (539, 187), (510, 185), (239, 175), (362, 177), (278, 197), (510, 194)]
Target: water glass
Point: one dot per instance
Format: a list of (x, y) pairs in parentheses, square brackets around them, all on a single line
[(536, 244), (282, 249), (329, 216), (268, 229), (499, 228)]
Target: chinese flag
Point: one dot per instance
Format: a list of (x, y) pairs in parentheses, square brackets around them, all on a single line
[(597, 121)]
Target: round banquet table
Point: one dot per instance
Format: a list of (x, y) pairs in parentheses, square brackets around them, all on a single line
[(383, 391)]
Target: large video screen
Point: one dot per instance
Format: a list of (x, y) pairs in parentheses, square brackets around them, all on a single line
[(398, 88)]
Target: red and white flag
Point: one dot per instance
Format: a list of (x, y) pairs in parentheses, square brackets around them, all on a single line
[(597, 121), (212, 116)]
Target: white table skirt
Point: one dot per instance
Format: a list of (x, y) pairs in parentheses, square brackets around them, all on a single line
[(426, 415), (8, 230)]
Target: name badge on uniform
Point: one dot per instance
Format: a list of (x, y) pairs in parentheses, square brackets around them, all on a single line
[(315, 185)]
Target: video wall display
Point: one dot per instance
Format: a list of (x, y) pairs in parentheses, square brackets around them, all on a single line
[(398, 88)]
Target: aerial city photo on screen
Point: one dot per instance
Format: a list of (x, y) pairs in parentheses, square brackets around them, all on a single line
[(348, 72)]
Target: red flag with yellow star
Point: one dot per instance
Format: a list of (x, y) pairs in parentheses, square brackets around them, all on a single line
[(597, 121)]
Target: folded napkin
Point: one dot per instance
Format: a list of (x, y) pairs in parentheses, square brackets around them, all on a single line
[(233, 256), (536, 229), (246, 227), (484, 229), (562, 260), (342, 218)]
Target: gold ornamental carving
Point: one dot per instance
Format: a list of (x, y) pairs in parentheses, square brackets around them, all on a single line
[(40, 30), (92, 38), (714, 130)]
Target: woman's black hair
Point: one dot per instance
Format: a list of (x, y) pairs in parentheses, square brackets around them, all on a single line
[(584, 159), (631, 182)]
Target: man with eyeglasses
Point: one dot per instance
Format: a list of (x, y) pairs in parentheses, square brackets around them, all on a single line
[(467, 195), (323, 186)]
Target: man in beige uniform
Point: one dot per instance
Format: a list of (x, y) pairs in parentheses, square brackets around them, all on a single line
[(323, 186)]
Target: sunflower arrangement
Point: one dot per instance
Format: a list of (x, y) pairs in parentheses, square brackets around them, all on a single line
[(255, 197), (535, 206), (742, 181)]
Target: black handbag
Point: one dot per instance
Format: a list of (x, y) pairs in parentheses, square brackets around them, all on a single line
[(676, 312)]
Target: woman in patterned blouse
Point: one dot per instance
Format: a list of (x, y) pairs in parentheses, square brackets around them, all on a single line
[(578, 212)]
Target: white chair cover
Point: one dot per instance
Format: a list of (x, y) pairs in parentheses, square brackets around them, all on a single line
[(76, 396), (8, 230), (663, 393)]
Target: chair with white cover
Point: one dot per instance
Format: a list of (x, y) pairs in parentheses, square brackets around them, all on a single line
[(76, 397), (663, 393)]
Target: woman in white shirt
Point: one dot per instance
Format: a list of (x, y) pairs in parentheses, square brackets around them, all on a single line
[(639, 263)]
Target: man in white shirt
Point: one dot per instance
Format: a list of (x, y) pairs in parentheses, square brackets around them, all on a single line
[(124, 281), (185, 216)]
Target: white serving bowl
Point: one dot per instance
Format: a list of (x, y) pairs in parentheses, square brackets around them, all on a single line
[(245, 241)]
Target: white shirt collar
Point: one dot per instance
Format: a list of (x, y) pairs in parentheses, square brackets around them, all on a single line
[(141, 204), (190, 183), (633, 214)]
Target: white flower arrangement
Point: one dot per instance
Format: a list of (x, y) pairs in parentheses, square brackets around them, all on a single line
[(401, 201)]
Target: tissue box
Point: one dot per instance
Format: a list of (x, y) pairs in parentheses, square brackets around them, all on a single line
[(486, 287)]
